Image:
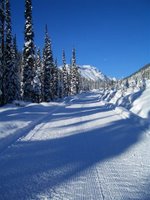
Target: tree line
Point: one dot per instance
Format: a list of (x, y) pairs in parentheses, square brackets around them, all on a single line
[(32, 75)]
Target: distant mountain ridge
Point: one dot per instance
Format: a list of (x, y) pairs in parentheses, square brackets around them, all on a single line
[(91, 73), (143, 72)]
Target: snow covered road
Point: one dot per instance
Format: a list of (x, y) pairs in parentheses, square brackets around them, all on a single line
[(84, 150)]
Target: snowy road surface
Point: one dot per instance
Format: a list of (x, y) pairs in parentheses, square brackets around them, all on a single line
[(83, 151)]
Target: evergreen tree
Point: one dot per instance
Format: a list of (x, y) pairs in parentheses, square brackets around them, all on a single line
[(17, 76), (9, 76), (74, 75), (77, 80), (2, 20), (69, 77), (60, 83), (37, 81), (28, 54), (65, 76), (56, 88), (52, 79), (47, 67), (126, 84)]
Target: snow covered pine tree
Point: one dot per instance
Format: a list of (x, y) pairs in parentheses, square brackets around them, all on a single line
[(47, 67), (2, 20), (65, 76), (56, 89), (74, 75), (37, 81), (28, 54), (17, 80), (10, 75)]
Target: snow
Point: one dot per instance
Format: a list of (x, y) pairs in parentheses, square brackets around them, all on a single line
[(123, 112), (135, 100), (82, 148), (91, 73), (17, 119), (141, 106), (28, 43)]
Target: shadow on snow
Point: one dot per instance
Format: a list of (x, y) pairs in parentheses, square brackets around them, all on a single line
[(34, 167)]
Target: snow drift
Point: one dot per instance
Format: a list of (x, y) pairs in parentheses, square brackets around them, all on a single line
[(134, 99)]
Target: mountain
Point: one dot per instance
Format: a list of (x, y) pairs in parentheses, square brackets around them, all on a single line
[(92, 73)]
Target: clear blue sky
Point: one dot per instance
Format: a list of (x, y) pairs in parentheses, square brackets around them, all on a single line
[(113, 35)]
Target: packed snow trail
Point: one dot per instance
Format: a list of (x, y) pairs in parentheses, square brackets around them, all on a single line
[(17, 121), (82, 151)]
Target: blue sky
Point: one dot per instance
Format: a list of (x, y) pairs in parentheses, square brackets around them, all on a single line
[(113, 35)]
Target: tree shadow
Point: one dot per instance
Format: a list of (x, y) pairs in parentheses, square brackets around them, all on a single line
[(24, 113), (129, 100), (145, 190), (33, 167)]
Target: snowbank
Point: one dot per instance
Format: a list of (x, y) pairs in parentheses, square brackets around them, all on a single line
[(123, 112), (141, 106), (134, 99)]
